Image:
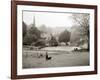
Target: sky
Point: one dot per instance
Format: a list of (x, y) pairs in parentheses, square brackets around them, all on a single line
[(49, 19)]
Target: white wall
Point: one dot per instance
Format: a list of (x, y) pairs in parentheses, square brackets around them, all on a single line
[(5, 35)]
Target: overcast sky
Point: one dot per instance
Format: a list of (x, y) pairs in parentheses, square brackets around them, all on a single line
[(48, 18)]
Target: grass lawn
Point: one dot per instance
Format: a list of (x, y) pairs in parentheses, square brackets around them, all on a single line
[(60, 58)]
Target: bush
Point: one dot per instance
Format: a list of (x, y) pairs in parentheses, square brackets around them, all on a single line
[(40, 43)]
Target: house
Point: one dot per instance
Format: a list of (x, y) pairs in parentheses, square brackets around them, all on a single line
[(46, 37)]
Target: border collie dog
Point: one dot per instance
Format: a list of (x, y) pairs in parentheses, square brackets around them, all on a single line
[(47, 57)]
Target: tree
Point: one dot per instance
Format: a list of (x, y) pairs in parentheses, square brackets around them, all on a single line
[(75, 35), (64, 36), (53, 41), (29, 38), (34, 31), (24, 29), (82, 20), (43, 28), (33, 34)]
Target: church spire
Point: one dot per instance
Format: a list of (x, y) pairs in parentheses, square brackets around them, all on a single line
[(34, 22)]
